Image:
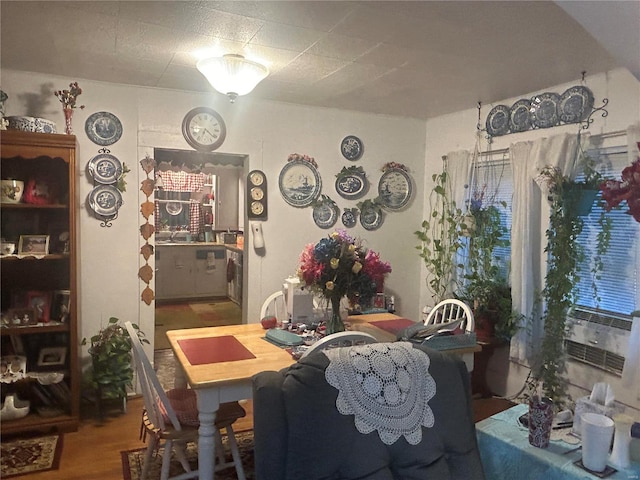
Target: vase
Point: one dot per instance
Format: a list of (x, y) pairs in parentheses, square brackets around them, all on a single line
[(334, 322), (68, 115)]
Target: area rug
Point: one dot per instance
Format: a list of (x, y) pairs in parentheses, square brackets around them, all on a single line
[(30, 455), (132, 461)]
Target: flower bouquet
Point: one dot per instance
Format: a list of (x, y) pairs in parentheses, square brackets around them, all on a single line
[(339, 266), (627, 188)]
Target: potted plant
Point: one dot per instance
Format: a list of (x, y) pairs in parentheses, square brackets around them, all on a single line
[(439, 238), (564, 257), (484, 284), (111, 372)]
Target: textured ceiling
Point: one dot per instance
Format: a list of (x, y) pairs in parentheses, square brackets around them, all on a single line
[(411, 59)]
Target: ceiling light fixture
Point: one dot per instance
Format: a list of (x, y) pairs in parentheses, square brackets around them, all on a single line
[(232, 74)]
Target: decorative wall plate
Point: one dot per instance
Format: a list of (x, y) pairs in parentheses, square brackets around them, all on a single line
[(105, 168), (498, 120), (351, 147), (352, 185), (371, 217), (350, 217), (326, 214), (103, 128), (520, 116), (105, 200), (173, 208), (575, 104), (299, 183), (544, 110), (395, 188)]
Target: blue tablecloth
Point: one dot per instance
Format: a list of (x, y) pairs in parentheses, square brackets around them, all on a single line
[(507, 455)]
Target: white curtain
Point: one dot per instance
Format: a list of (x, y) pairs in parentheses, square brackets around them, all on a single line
[(530, 219), (458, 166)]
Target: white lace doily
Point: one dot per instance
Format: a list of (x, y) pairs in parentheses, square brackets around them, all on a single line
[(386, 386)]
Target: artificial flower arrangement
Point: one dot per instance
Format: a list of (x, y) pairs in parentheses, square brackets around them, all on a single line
[(627, 188), (69, 97), (339, 266)]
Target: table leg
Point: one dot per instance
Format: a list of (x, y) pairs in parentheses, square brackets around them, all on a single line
[(208, 404)]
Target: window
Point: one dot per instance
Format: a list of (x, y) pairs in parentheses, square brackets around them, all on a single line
[(618, 285)]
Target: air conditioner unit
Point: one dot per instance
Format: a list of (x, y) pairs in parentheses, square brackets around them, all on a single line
[(599, 340)]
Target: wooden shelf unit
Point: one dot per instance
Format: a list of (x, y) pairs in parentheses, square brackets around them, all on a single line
[(52, 159)]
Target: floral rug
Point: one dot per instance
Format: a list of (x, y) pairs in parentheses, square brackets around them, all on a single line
[(132, 461), (30, 455)]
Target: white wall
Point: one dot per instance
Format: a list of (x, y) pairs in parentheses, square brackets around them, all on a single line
[(457, 132), (267, 133)]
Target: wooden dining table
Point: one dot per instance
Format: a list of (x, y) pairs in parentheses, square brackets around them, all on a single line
[(219, 363)]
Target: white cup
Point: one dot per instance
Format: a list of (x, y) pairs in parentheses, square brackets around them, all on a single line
[(597, 433)]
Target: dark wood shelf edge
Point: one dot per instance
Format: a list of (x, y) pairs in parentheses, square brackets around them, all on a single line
[(34, 329), (50, 256), (34, 422), (25, 206)]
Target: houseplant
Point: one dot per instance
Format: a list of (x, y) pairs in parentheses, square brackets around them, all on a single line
[(339, 266), (111, 372), (563, 272), (439, 238)]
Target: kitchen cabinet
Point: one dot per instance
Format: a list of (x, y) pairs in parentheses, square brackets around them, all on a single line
[(185, 271), (40, 280)]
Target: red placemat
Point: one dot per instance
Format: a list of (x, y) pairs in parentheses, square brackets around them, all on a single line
[(200, 351), (394, 325)]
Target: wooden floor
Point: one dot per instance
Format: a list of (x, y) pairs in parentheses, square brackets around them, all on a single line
[(93, 452)]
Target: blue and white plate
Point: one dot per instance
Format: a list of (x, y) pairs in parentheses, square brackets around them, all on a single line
[(350, 217), (352, 186), (520, 116), (575, 104), (544, 110), (351, 147), (103, 128), (105, 200), (299, 183), (105, 168), (371, 217), (395, 188), (498, 120), (326, 214)]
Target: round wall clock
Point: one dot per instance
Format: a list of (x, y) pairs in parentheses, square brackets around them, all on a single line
[(204, 129), (257, 195), (351, 147), (103, 128)]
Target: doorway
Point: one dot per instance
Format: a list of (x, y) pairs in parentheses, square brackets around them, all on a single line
[(193, 288)]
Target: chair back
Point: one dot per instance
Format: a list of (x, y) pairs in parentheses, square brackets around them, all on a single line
[(156, 402), (341, 339), (275, 305), (451, 310)]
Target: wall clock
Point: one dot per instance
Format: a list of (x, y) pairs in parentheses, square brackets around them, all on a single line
[(257, 195), (204, 129)]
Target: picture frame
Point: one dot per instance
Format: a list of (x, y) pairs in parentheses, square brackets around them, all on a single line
[(40, 301), (52, 356), (21, 316), (33, 245), (60, 306)]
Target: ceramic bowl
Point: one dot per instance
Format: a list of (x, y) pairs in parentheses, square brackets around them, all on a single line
[(7, 248), (14, 408), (12, 191), (31, 124)]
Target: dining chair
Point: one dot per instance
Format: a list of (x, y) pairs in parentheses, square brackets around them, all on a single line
[(172, 417), (275, 305), (451, 310), (340, 339)]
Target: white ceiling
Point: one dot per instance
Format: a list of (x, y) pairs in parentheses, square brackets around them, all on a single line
[(413, 59)]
